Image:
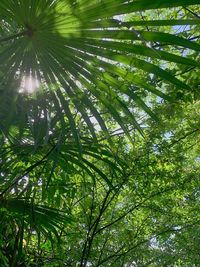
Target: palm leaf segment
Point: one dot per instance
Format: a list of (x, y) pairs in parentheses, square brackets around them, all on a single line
[(39, 217), (83, 51), (64, 157), (21, 204)]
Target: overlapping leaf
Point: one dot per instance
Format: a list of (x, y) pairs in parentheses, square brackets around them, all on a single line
[(39, 217), (86, 53)]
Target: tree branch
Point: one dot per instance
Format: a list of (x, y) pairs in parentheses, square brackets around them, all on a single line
[(29, 169)]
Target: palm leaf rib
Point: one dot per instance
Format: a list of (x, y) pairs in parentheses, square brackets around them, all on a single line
[(64, 40)]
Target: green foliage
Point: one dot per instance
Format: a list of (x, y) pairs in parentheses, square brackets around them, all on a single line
[(99, 133), (84, 52)]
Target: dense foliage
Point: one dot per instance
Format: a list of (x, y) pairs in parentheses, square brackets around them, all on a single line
[(99, 133)]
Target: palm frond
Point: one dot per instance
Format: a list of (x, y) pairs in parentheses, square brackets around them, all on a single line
[(38, 217), (71, 45)]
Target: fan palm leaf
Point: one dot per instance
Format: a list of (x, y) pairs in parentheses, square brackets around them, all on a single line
[(85, 53), (46, 158), (39, 217)]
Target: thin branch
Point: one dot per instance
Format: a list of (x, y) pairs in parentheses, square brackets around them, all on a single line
[(140, 204), (93, 228), (193, 13), (183, 137), (168, 230), (28, 170)]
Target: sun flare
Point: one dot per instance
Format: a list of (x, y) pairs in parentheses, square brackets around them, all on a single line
[(29, 85)]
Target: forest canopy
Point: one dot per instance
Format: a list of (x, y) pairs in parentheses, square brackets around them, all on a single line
[(99, 133)]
